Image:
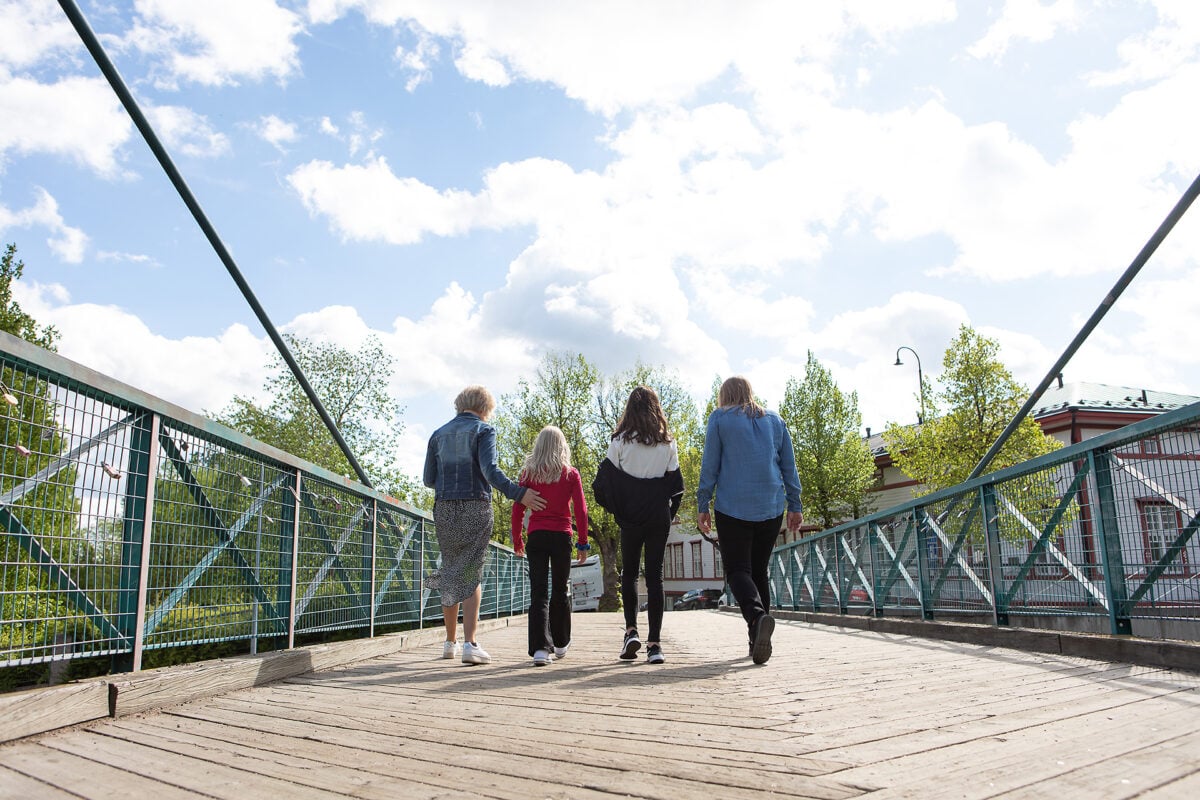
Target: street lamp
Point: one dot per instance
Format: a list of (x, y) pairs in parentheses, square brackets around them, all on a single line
[(920, 378)]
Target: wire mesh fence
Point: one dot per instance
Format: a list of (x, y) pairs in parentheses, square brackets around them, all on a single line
[(1102, 530), (130, 525)]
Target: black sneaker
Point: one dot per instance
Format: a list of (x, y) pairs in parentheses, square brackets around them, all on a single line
[(760, 651), (631, 646), (654, 655)]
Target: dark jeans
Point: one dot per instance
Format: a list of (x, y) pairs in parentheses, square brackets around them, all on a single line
[(746, 551), (651, 537), (549, 552)]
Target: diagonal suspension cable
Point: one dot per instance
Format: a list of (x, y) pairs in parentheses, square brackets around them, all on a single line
[(143, 125), (1107, 303)]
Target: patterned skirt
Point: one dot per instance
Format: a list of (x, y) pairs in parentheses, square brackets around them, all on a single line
[(463, 528)]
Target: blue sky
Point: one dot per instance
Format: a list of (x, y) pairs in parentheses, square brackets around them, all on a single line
[(713, 187)]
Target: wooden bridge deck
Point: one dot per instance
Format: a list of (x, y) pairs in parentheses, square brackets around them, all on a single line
[(834, 714)]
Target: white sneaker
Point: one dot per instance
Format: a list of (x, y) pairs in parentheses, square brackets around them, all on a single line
[(474, 654), (541, 658), (561, 652), (451, 650)]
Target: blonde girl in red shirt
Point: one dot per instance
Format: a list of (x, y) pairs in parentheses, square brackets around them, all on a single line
[(547, 546)]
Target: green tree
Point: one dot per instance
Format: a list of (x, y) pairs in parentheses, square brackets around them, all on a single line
[(834, 463), (47, 509), (353, 386), (978, 398), (13, 318)]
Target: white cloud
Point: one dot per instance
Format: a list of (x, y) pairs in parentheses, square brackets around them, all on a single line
[(1160, 52), (75, 118), (620, 55), (33, 32), (417, 61), (197, 372), (218, 42), (187, 132), (278, 132), (65, 241), (1025, 20)]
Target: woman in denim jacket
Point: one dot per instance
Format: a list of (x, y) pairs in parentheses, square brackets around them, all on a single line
[(460, 466), (748, 461)]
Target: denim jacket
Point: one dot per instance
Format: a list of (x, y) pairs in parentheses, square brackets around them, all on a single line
[(460, 462)]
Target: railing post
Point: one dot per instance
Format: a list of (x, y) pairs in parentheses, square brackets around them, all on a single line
[(143, 574), (1109, 532), (876, 600), (371, 585), (841, 584), (291, 620), (924, 537), (991, 535), (130, 616), (811, 559), (420, 580)]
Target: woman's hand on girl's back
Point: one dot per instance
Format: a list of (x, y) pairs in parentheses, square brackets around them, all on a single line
[(532, 500)]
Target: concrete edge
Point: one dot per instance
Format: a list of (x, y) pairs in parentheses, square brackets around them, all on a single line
[(1167, 654), (33, 711)]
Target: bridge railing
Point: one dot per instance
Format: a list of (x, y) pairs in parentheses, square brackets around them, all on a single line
[(128, 524), (1099, 535)]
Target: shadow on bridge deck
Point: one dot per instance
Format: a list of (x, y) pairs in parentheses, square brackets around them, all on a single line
[(834, 714)]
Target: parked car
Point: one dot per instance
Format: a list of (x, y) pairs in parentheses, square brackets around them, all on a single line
[(698, 598), (859, 596)]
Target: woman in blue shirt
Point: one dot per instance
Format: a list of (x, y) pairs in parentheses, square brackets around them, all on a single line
[(460, 466), (749, 465)]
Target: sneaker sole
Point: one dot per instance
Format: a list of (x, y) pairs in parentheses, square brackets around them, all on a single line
[(476, 661), (659, 660), (630, 651), (761, 651)]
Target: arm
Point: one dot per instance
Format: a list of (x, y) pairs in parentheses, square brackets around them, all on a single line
[(675, 487), (710, 465), (579, 507), (787, 470), (430, 475), (518, 523), (486, 454)]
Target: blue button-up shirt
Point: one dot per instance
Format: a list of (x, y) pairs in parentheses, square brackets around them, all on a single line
[(749, 463), (460, 462)]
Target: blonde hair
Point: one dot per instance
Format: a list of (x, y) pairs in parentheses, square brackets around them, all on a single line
[(475, 398), (550, 457), (736, 393)]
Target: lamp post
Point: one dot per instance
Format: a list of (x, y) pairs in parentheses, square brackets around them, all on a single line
[(920, 378)]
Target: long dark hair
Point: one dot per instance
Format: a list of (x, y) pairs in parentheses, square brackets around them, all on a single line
[(736, 393), (643, 420)]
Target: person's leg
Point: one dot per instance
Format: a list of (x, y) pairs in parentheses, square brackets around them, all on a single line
[(632, 540), (765, 535), (450, 621), (560, 589), (470, 614), (537, 554), (656, 547), (735, 537)]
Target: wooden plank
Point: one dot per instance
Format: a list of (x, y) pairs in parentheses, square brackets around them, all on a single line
[(143, 691), (581, 768), (83, 777), (1168, 763), (38, 710), (18, 786), (197, 773)]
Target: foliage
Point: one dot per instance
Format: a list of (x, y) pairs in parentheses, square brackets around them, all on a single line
[(353, 386), (977, 400), (13, 318), (834, 463)]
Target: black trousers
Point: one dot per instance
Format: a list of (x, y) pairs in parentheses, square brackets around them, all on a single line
[(652, 538), (746, 551), (549, 556)]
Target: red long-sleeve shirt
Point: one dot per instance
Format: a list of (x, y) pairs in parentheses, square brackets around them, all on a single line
[(562, 497)]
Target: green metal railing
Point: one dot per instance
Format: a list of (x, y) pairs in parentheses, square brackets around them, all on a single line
[(130, 524), (1104, 529)]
